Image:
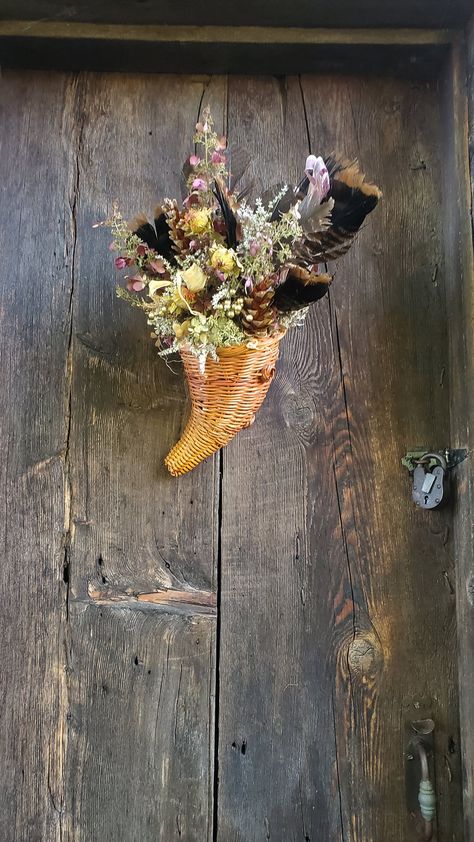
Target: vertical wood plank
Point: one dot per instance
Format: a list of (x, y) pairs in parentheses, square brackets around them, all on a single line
[(458, 121), (393, 350), (278, 762), (37, 155), (142, 545), (345, 592)]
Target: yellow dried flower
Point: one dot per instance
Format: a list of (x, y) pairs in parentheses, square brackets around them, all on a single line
[(223, 259), (175, 304), (155, 286), (181, 328), (194, 278), (199, 220)]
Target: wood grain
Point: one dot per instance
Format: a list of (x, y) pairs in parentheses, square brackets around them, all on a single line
[(335, 624), (135, 531), (277, 752), (339, 583), (38, 145), (403, 559), (458, 120)]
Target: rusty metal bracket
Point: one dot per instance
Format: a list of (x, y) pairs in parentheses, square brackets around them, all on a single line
[(418, 455)]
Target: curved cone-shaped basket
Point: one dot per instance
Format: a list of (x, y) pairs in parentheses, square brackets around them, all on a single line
[(224, 399)]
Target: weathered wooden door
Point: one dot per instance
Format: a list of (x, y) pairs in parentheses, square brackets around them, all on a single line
[(236, 655)]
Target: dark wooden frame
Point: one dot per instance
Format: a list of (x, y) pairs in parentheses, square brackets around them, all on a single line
[(220, 49), (446, 53)]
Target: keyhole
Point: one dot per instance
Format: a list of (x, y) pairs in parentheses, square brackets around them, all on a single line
[(426, 499)]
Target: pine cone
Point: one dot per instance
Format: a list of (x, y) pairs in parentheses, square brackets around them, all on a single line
[(259, 313), (175, 217)]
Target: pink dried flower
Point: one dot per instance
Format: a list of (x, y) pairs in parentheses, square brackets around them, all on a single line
[(254, 248), (222, 142), (120, 263), (157, 266), (220, 275), (193, 244), (194, 160), (136, 283), (199, 127), (217, 158), (142, 249), (248, 286), (199, 184)]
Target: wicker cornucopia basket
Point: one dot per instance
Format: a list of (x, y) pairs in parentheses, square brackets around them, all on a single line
[(224, 399), (221, 279)]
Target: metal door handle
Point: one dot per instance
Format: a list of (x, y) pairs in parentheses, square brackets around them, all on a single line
[(420, 745), (426, 793)]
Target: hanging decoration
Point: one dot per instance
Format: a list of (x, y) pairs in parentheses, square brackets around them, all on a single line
[(221, 280)]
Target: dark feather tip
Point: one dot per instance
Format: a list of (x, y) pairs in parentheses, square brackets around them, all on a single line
[(295, 293), (227, 215)]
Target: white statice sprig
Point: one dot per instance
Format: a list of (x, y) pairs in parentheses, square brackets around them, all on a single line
[(220, 295), (265, 244)]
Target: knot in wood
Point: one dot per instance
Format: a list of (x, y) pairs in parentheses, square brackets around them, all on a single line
[(299, 413), (364, 656)]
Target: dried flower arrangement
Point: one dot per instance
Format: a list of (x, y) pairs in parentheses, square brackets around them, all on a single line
[(221, 280)]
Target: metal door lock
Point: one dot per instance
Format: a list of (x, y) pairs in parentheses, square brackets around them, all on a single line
[(430, 474), (428, 480)]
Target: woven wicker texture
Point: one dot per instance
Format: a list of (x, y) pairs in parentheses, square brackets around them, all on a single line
[(224, 399)]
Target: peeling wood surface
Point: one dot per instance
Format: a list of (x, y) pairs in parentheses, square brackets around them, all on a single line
[(190, 599), (334, 624)]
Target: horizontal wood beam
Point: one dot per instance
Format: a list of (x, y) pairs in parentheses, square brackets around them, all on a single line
[(304, 13), (263, 35), (413, 53)]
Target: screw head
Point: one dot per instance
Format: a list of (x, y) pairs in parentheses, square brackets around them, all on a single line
[(436, 499)]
